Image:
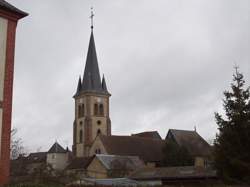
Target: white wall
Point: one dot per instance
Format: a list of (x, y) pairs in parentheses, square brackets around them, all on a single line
[(3, 38), (57, 160)]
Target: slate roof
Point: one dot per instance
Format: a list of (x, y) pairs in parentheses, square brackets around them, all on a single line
[(36, 157), (80, 163), (111, 182), (191, 140), (91, 81), (149, 150), (111, 162), (56, 148), (7, 6), (148, 134), (171, 173)]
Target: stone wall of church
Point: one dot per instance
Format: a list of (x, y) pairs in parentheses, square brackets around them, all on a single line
[(90, 124), (97, 145)]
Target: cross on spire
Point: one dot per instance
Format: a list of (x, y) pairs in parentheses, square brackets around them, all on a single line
[(91, 17)]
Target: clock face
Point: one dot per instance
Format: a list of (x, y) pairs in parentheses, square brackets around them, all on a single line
[(99, 100)]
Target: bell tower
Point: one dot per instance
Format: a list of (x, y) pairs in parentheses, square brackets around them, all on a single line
[(91, 104)]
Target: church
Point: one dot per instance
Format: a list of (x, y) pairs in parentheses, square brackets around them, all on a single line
[(95, 150), (92, 124)]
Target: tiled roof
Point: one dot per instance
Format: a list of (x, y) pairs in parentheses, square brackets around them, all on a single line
[(80, 163), (148, 134), (120, 162), (186, 172), (37, 157), (191, 140), (149, 150), (7, 6)]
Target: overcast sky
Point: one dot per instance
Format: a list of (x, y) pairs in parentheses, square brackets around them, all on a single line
[(166, 63)]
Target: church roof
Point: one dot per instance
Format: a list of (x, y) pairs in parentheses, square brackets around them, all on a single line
[(56, 148), (7, 6), (148, 134), (91, 81), (149, 150), (80, 163), (191, 140)]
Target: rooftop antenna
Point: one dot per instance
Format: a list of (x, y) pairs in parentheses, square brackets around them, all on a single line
[(91, 17)]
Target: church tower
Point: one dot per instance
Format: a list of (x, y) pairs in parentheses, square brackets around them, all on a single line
[(91, 104)]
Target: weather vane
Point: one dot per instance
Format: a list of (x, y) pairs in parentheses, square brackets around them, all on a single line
[(91, 17)]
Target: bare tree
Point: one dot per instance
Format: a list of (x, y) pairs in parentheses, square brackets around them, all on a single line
[(16, 145)]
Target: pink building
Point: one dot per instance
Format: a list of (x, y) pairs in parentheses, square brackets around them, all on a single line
[(9, 16)]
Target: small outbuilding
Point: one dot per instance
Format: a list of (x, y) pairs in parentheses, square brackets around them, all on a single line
[(113, 166)]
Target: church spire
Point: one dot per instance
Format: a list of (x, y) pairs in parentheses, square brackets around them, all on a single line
[(104, 86), (92, 19), (79, 85), (91, 78)]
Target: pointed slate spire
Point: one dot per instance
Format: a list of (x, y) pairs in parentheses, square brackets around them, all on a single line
[(104, 86), (91, 78), (79, 85)]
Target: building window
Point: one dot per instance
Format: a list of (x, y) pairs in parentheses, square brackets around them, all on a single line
[(80, 123), (80, 136), (83, 110), (79, 111), (99, 122), (101, 110), (96, 109), (98, 151), (53, 156), (98, 132)]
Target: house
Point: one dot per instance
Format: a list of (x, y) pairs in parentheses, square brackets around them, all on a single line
[(9, 17), (58, 157), (78, 166), (199, 149), (174, 175), (23, 166), (112, 166)]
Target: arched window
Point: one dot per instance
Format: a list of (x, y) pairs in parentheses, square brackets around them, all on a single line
[(101, 109), (96, 109), (79, 111), (80, 136), (98, 151), (98, 132), (83, 110)]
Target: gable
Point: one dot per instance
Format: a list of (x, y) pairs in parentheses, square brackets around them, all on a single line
[(191, 140), (97, 145)]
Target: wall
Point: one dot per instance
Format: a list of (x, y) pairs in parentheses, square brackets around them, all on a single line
[(57, 160), (3, 39), (96, 170), (97, 144), (89, 122)]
